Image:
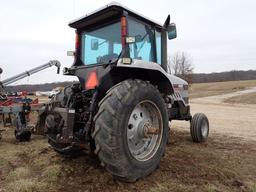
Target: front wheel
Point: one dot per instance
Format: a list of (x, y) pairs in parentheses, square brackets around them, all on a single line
[(199, 128), (131, 130)]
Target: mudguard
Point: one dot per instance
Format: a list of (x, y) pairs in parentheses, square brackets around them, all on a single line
[(172, 83), (156, 73)]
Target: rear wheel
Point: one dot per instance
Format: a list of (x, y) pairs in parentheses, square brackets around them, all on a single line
[(131, 130), (199, 128)]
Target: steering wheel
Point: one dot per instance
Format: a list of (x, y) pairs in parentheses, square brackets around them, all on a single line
[(106, 58)]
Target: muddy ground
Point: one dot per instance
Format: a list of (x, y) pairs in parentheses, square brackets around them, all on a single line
[(226, 162)]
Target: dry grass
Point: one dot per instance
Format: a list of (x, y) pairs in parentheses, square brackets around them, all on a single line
[(253, 187), (159, 188), (51, 173), (19, 172), (24, 168), (221, 164), (249, 98), (26, 185), (210, 89)]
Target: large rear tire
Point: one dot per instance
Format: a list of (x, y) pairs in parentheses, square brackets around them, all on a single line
[(131, 130)]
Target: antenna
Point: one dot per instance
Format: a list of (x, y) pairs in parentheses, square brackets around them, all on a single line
[(167, 21), (1, 71)]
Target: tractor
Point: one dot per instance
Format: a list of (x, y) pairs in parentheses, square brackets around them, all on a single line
[(122, 105)]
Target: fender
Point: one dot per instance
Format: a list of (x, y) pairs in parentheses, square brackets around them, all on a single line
[(166, 83), (150, 71)]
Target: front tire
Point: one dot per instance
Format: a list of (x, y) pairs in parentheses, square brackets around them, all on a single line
[(131, 130), (199, 128)]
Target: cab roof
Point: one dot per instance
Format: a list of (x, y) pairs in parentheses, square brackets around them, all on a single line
[(109, 12)]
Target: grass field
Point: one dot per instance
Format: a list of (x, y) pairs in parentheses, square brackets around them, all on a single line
[(221, 164), (210, 89), (249, 98)]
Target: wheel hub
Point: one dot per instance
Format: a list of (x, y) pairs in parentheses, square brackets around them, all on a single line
[(204, 129), (144, 130)]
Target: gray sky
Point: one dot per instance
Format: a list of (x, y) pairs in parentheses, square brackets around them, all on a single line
[(220, 35)]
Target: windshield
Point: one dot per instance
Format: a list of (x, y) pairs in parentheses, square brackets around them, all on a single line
[(102, 45)]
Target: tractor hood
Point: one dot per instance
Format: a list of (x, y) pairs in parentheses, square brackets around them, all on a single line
[(176, 80)]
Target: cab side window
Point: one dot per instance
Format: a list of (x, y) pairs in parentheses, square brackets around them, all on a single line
[(142, 48), (147, 44)]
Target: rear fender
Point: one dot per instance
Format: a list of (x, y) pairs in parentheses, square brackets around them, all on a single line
[(149, 71)]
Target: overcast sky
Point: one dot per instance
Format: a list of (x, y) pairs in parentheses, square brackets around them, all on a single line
[(220, 35)]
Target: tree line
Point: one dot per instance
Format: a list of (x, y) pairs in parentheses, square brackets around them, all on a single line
[(181, 65)]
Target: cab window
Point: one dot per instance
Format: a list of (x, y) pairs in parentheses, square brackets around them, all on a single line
[(147, 44)]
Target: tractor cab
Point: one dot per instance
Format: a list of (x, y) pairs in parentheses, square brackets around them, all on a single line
[(114, 33)]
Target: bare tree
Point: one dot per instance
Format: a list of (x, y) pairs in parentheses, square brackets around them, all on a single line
[(181, 65)]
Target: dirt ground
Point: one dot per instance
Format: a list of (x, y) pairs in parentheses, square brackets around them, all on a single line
[(237, 120), (226, 162)]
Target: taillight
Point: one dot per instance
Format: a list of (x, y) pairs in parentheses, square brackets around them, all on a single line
[(123, 30), (77, 41)]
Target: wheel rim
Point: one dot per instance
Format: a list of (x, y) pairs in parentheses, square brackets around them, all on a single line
[(204, 129), (144, 130)]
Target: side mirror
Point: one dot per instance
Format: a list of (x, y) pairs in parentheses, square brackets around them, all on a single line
[(94, 44), (1, 71), (171, 30)]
